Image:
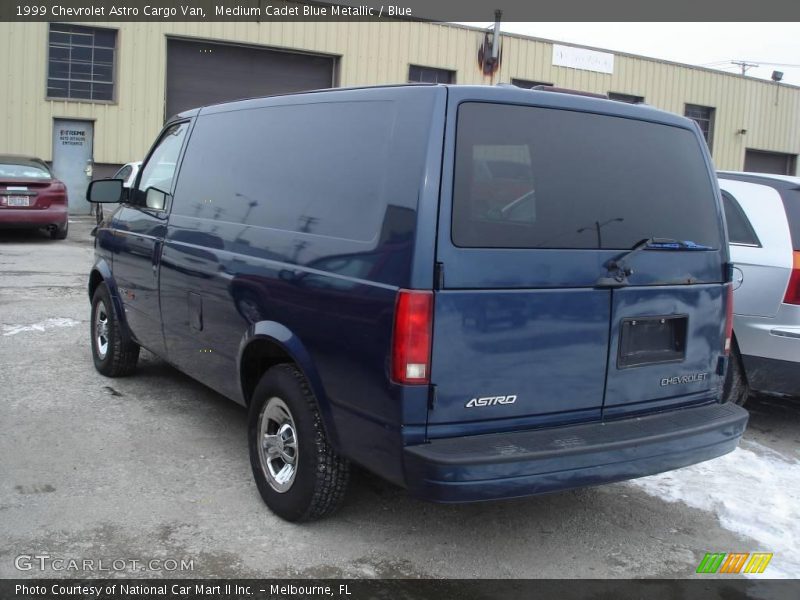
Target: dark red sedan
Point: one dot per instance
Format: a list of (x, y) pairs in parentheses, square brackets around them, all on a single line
[(30, 197)]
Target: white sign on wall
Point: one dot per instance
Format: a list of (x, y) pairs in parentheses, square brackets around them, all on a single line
[(581, 58)]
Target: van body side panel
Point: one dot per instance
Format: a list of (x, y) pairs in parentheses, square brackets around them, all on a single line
[(306, 220), (194, 282)]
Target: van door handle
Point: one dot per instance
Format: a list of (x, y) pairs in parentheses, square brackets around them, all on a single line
[(156, 256), (611, 282)]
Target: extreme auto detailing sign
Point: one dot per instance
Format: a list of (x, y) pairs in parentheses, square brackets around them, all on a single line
[(72, 137), (581, 58)]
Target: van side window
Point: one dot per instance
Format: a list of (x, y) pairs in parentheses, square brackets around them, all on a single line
[(315, 168), (159, 170), (740, 231), (535, 177)]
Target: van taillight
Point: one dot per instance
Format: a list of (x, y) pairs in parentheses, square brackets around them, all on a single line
[(411, 345), (793, 291), (726, 348)]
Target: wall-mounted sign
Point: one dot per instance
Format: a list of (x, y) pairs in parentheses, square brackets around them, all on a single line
[(581, 58), (72, 137)]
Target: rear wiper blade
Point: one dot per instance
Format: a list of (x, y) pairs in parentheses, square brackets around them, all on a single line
[(670, 244), (618, 269)]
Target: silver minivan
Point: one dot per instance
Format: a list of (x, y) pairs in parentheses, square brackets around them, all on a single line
[(763, 218)]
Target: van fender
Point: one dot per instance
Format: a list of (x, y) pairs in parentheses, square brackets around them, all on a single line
[(291, 344), (102, 270)]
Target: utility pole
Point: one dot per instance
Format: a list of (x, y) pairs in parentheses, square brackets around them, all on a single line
[(744, 65)]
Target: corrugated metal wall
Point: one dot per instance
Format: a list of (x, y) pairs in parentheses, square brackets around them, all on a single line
[(369, 53)]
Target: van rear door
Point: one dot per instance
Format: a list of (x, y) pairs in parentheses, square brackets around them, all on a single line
[(541, 193)]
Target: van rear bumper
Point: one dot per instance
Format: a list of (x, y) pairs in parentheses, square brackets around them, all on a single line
[(523, 463)]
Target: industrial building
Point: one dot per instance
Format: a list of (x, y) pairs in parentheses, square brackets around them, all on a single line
[(90, 97)]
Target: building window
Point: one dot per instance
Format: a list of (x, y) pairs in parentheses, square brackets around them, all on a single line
[(527, 84), (80, 62), (629, 98), (704, 117), (418, 74)]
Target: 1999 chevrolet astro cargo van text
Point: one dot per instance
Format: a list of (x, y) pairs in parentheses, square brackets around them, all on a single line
[(474, 292)]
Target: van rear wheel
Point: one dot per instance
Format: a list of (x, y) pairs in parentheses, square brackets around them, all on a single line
[(735, 388), (299, 475)]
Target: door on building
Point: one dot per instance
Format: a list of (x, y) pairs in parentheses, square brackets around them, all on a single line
[(72, 160), (237, 72), (761, 161)]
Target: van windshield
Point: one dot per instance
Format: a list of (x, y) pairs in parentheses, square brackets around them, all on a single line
[(530, 177)]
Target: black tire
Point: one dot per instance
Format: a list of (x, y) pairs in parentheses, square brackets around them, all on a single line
[(320, 475), (735, 388), (121, 354), (60, 232)]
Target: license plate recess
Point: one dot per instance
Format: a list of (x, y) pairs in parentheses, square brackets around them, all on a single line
[(652, 340)]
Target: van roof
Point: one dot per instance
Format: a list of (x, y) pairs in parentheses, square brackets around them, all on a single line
[(511, 94)]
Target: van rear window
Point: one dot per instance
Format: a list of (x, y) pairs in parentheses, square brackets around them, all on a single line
[(530, 177)]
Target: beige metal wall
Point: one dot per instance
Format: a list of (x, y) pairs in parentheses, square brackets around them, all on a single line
[(370, 53)]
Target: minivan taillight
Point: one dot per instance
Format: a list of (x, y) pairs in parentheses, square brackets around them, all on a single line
[(793, 291), (411, 345), (726, 348)]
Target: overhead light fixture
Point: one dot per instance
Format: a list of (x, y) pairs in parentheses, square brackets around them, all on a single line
[(777, 76)]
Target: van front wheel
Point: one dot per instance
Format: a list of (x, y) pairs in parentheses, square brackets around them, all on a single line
[(300, 477), (114, 356)]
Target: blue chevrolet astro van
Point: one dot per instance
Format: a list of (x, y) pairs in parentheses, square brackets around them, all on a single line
[(474, 292)]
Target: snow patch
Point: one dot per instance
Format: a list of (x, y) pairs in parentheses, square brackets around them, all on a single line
[(754, 491), (40, 326)]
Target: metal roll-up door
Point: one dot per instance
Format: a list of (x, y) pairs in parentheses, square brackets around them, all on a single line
[(201, 73), (760, 161)]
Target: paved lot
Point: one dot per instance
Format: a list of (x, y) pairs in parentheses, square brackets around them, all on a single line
[(155, 466)]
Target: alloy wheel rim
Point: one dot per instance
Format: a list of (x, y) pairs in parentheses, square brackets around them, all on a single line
[(277, 445), (101, 330)]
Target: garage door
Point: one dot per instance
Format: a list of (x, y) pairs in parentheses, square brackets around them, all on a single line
[(200, 73), (760, 161)]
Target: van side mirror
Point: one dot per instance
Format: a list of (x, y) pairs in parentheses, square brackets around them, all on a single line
[(104, 191), (155, 199)]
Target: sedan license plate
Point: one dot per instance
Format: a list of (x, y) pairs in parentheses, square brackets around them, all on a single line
[(18, 201)]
